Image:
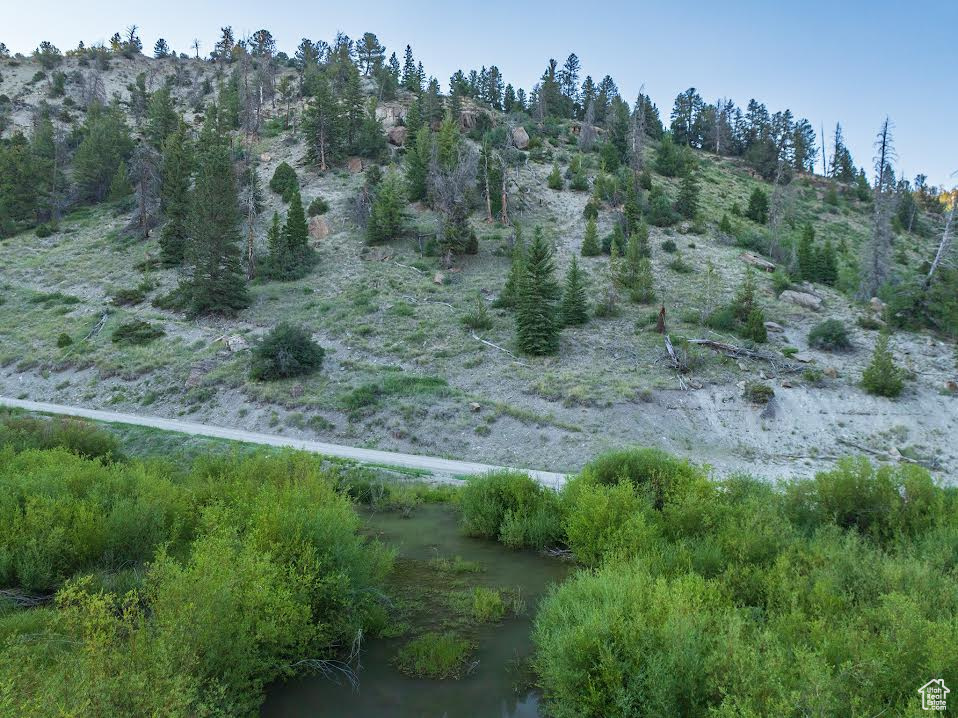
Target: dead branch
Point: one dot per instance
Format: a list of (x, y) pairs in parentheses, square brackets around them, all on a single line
[(742, 353), (25, 600), (99, 325), (496, 346), (896, 455)]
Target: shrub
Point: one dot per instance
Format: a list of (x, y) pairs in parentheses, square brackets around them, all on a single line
[(284, 181), (478, 318), (318, 206), (555, 178), (43, 231), (64, 340), (511, 507), (759, 393), (128, 297), (621, 642), (669, 246), (287, 351), (757, 210), (829, 335), (755, 327), (77, 436), (136, 332), (882, 377), (434, 655)]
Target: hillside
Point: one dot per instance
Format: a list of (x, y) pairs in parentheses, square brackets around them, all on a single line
[(402, 372)]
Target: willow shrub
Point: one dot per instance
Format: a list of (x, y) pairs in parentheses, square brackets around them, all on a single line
[(511, 507), (235, 573), (836, 595)]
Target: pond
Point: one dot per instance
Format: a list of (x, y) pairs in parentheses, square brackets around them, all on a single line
[(497, 682)]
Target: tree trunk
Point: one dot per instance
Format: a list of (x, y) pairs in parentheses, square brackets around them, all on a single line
[(942, 246)]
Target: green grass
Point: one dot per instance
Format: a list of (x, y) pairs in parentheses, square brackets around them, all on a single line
[(435, 655)]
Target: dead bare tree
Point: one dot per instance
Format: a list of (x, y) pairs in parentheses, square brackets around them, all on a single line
[(252, 210), (145, 176), (451, 193), (944, 245), (876, 260), (587, 132)]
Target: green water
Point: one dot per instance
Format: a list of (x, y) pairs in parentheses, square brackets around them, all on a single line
[(498, 686)]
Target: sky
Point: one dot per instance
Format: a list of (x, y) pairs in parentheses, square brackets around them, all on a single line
[(831, 61)]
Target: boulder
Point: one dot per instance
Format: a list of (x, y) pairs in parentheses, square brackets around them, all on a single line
[(318, 229), (951, 386), (439, 278), (802, 299), (803, 357), (877, 305), (355, 165), (236, 343), (774, 327), (474, 407), (520, 138), (390, 114), (265, 157), (397, 135), (757, 261), (831, 372)]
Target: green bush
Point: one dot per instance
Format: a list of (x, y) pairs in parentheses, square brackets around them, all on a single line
[(242, 568), (286, 351), (284, 181), (511, 507), (318, 206), (669, 246), (78, 436), (136, 332), (829, 335), (759, 393), (64, 340)]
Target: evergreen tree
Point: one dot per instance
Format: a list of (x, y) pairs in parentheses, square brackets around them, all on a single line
[(410, 74), (757, 210), (353, 108), (216, 284), (322, 125), (106, 143), (417, 165), (882, 377), (687, 203), (636, 273), (48, 159), (508, 297), (537, 320), (590, 244), (120, 187), (829, 264), (370, 54), (448, 141), (161, 118), (574, 309), (632, 209), (290, 255), (755, 327), (161, 49), (18, 184), (744, 301), (175, 174), (555, 178), (807, 265), (386, 216)]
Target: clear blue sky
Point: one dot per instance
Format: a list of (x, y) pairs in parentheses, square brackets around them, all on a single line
[(843, 60)]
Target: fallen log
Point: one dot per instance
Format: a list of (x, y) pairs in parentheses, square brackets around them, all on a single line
[(742, 353), (757, 261)]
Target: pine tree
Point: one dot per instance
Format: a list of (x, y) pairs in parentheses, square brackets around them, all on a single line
[(636, 273), (882, 377), (755, 327), (757, 206), (609, 306), (322, 125), (106, 143), (120, 187), (537, 320), (274, 237), (508, 297), (555, 178), (175, 196), (574, 309), (687, 203), (386, 217), (410, 74), (296, 232), (590, 244), (744, 301), (829, 264), (216, 284), (353, 108), (806, 255), (161, 118), (417, 165)]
